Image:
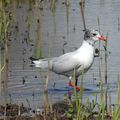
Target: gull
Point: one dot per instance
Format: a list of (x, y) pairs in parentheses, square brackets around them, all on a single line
[(73, 64)]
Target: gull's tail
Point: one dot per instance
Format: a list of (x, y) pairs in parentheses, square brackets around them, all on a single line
[(41, 63)]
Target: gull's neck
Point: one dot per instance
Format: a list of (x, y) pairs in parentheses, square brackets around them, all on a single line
[(87, 45), (89, 41)]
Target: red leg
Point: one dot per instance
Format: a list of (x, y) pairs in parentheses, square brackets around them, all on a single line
[(72, 85)]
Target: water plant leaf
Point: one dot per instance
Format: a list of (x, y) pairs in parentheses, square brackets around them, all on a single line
[(70, 111), (105, 47)]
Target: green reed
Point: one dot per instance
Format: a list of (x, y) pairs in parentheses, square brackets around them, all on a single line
[(116, 109), (105, 75), (0, 70), (67, 18), (78, 97), (12, 5), (54, 7), (75, 91), (79, 111), (30, 21), (54, 21), (99, 65), (105, 67), (118, 90), (54, 14), (1, 44), (31, 4), (67, 10), (82, 13), (38, 43), (4, 59)]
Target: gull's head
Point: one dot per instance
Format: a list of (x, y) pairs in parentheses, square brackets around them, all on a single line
[(93, 35)]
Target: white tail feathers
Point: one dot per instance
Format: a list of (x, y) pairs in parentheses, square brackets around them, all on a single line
[(41, 63)]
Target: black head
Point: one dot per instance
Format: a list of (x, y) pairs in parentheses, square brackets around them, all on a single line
[(93, 35), (87, 34)]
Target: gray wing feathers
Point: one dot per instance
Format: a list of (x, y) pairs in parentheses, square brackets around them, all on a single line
[(64, 63)]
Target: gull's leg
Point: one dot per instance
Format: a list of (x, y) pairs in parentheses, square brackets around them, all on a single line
[(76, 81), (72, 85)]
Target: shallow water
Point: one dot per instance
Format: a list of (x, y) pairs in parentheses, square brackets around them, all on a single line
[(25, 83)]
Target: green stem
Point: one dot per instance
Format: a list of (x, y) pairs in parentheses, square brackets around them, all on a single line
[(106, 55), (38, 44), (82, 13)]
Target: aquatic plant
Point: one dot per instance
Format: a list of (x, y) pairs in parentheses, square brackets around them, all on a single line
[(54, 16), (106, 62), (67, 20), (53, 7), (67, 10), (116, 109), (4, 40), (82, 13), (1, 45), (99, 64), (105, 66), (38, 43)]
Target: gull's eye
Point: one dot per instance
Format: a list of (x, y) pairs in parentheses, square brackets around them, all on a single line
[(94, 34)]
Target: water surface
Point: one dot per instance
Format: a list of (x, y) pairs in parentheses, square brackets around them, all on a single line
[(25, 83)]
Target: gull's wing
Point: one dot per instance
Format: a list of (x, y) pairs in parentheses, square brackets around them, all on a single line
[(64, 63)]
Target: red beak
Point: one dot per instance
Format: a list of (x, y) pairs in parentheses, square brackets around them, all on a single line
[(102, 38)]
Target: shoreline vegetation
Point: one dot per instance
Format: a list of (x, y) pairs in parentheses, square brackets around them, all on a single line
[(62, 110)]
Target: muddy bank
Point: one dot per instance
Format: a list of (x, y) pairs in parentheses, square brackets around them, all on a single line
[(58, 111)]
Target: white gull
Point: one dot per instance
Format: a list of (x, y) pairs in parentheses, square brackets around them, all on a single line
[(79, 60)]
